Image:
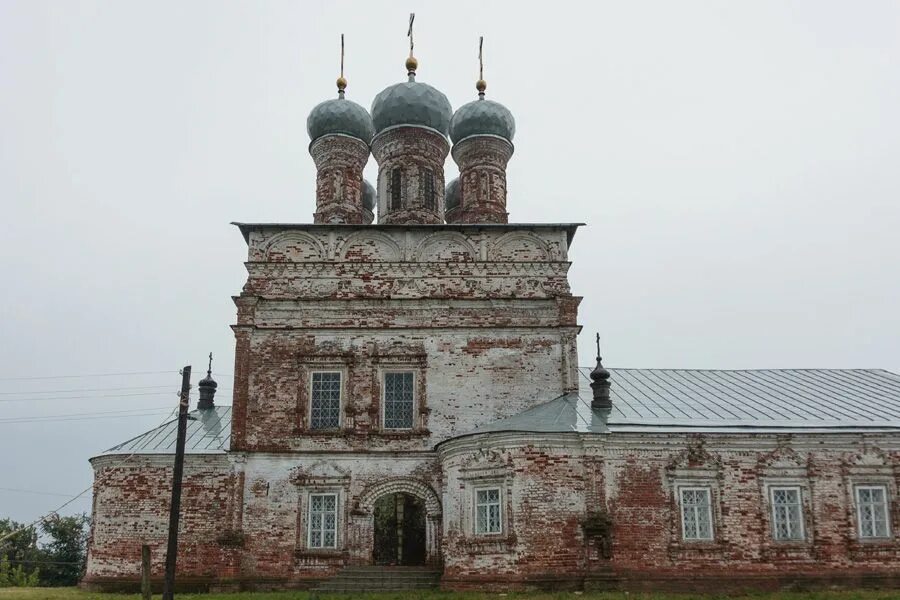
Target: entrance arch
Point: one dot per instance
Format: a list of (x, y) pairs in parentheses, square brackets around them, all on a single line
[(399, 530), (409, 506)]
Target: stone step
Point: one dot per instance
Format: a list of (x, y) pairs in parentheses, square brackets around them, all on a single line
[(377, 578)]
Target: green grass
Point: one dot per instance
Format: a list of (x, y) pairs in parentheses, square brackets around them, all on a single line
[(76, 594)]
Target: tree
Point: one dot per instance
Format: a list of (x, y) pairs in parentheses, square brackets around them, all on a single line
[(19, 556), (65, 553)]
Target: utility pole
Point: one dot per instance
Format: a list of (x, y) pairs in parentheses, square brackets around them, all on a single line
[(177, 473)]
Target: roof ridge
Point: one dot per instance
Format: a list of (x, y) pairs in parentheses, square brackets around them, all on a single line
[(755, 369)]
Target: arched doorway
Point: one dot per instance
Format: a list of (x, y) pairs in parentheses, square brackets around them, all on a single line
[(399, 530), (372, 537)]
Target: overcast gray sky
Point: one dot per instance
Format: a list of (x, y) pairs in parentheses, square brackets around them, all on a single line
[(737, 164)]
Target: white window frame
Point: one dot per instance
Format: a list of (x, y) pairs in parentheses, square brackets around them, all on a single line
[(801, 524), (415, 383), (476, 504), (887, 511), (312, 375), (709, 512), (309, 521)]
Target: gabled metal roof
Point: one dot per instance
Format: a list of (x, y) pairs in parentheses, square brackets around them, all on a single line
[(208, 432), (703, 400)]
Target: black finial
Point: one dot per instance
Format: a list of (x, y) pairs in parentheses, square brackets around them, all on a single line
[(207, 387), (600, 382)]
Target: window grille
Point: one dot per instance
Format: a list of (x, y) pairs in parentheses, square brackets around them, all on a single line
[(396, 181), (323, 520), (872, 507), (487, 511), (696, 514), (428, 188), (398, 400), (787, 514), (326, 400)]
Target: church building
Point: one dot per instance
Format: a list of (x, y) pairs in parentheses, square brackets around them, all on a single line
[(409, 410)]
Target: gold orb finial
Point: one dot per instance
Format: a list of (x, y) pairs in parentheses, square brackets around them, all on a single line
[(412, 64), (341, 84), (481, 85)]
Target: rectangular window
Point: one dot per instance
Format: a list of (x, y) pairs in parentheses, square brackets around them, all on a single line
[(428, 188), (325, 395), (696, 514), (787, 513), (872, 511), (323, 520), (487, 511), (395, 188), (398, 400)]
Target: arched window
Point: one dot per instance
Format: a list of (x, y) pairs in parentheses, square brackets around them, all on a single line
[(428, 189), (395, 188)]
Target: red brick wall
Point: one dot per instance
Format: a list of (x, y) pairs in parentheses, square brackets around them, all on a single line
[(131, 508), (553, 481)]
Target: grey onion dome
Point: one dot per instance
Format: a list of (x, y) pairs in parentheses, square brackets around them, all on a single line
[(368, 195), (451, 195), (411, 103), (482, 117), (340, 115)]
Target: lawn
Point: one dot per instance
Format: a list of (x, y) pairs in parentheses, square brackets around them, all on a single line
[(76, 594)]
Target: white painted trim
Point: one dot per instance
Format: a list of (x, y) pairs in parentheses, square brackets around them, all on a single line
[(887, 510), (709, 514), (475, 505), (799, 491), (337, 520)]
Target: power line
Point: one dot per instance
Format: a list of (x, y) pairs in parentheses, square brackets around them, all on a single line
[(169, 372), (85, 414), (145, 387), (66, 419), (96, 396), (21, 491), (97, 481)]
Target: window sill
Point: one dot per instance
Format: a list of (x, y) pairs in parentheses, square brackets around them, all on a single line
[(683, 549), (874, 548), (395, 434), (489, 544), (789, 550), (333, 553)]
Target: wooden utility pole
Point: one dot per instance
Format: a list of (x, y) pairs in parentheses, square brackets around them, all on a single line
[(145, 572), (177, 473)]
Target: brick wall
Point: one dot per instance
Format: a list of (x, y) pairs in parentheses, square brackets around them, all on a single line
[(131, 508), (552, 482)]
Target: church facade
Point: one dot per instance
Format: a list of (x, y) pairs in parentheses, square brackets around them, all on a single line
[(407, 392)]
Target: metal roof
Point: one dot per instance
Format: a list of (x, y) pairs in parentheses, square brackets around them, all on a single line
[(643, 400), (706, 400), (208, 432)]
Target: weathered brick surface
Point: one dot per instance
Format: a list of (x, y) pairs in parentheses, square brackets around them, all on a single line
[(131, 508), (551, 482), (485, 318), (482, 164), (340, 160), (413, 151)]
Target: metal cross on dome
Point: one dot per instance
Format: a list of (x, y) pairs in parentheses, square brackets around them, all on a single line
[(409, 33)]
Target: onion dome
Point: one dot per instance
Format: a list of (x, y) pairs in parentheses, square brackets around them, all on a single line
[(451, 195), (207, 387), (600, 383), (482, 117), (411, 103), (340, 115), (368, 195)]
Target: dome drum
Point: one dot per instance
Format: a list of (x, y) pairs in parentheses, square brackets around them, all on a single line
[(410, 174), (340, 196), (482, 187)]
